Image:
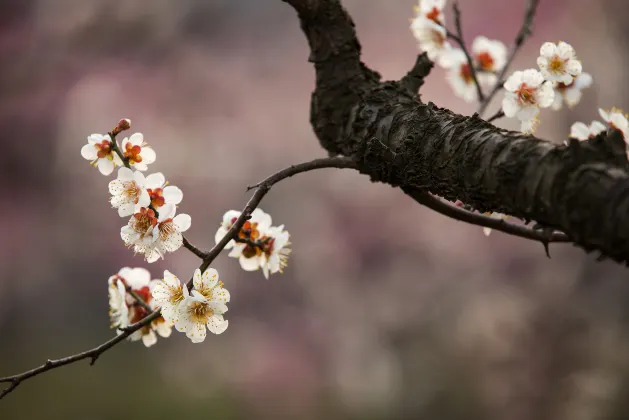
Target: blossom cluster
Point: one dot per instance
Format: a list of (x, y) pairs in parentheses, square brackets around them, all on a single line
[(257, 245), (125, 310), (615, 118), (488, 56), (154, 229), (190, 313), (560, 78)]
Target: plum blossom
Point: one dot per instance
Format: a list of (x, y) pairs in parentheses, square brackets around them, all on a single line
[(431, 10), (209, 286), (168, 294), (125, 310), (526, 92), (118, 311), (617, 119), (558, 62), (137, 152), (204, 308), (253, 231), (161, 194), (128, 192), (529, 126), (100, 150), (155, 236), (229, 218), (581, 131), (140, 230), (490, 57), (459, 76), (571, 93), (432, 39), (275, 251)]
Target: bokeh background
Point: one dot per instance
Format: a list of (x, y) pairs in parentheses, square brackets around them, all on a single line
[(386, 311)]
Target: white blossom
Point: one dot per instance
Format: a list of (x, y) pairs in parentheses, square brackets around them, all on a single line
[(154, 237), (204, 308), (128, 192), (137, 151), (118, 311), (431, 10), (168, 294), (571, 93), (254, 230), (526, 92), (432, 39), (100, 151), (529, 126), (581, 131), (617, 119), (275, 251), (490, 56), (459, 76), (229, 218), (140, 231), (125, 309), (558, 62), (160, 192), (209, 286)]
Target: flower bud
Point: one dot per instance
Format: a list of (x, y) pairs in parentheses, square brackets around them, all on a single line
[(123, 124)]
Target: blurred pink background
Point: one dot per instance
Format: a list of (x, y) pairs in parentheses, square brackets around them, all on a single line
[(386, 310)]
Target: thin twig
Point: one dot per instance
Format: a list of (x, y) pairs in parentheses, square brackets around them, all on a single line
[(524, 33), (262, 189), (196, 251), (458, 38), (138, 299), (497, 115), (457, 213), (92, 354)]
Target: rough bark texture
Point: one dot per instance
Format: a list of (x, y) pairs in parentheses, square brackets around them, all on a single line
[(581, 189)]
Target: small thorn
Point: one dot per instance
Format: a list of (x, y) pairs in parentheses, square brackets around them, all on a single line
[(546, 248), (48, 363)]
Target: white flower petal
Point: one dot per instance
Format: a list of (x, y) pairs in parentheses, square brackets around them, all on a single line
[(136, 139), (149, 338), (514, 81), (183, 222), (89, 152), (173, 194), (249, 264), (156, 180), (105, 166), (217, 325), (510, 105), (148, 155), (579, 131), (548, 50)]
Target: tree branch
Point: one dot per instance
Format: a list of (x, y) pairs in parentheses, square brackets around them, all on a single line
[(458, 38), (262, 189), (525, 31), (581, 189), (542, 235)]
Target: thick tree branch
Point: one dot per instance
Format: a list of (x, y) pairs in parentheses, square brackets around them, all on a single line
[(581, 189), (262, 189)]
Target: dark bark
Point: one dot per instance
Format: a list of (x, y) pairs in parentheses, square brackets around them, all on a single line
[(581, 189)]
